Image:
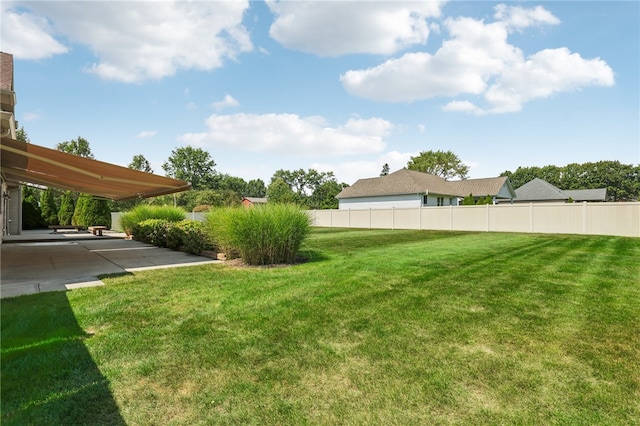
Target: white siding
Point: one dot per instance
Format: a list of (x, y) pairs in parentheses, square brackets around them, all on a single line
[(14, 227), (388, 202)]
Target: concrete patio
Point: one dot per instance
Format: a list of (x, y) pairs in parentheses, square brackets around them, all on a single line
[(39, 261)]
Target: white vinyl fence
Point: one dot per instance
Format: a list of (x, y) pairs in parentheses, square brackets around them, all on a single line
[(620, 219)]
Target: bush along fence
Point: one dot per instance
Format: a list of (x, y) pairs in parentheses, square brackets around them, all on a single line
[(617, 219)]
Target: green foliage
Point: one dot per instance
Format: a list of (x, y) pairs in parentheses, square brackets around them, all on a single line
[(468, 200), (21, 135), (324, 197), (139, 162), (485, 200), (262, 235), (280, 192), (188, 235), (621, 180), (66, 210), (193, 165), (445, 164), (31, 213), (143, 212), (256, 188), (79, 146), (152, 231), (49, 208), (91, 211)]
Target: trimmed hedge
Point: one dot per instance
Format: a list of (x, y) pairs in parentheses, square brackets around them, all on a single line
[(186, 235)]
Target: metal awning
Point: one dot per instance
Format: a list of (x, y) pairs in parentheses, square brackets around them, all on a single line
[(28, 163)]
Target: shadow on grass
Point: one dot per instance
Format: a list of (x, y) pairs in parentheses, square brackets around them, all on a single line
[(116, 275), (48, 375)]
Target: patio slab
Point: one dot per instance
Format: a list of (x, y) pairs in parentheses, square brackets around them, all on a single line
[(57, 264)]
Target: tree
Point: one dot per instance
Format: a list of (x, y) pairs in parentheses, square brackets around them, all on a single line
[(468, 200), (91, 211), (280, 192), (324, 197), (194, 165), (139, 162), (256, 188), (48, 207), (447, 165), (21, 135), (621, 180), (31, 213), (385, 170), (79, 146), (67, 207), (231, 183)]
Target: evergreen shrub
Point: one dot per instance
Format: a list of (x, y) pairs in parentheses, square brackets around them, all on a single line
[(91, 211), (66, 210)]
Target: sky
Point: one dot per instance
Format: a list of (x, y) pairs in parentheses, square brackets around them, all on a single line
[(340, 86)]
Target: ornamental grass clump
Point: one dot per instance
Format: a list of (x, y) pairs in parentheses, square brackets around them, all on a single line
[(140, 213), (262, 235)]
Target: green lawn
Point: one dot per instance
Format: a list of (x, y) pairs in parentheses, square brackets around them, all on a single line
[(377, 327)]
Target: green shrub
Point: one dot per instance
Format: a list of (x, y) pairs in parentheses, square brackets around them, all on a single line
[(468, 200), (143, 212), (188, 235), (49, 208), (152, 231), (262, 235), (31, 213), (67, 207), (91, 211)]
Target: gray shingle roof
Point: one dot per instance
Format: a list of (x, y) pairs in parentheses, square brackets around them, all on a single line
[(538, 190), (598, 194), (406, 181), (541, 190)]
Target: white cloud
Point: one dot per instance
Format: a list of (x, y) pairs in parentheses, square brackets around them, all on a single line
[(478, 60), (350, 171), (518, 17), (137, 41), (31, 116), (334, 28), (191, 106), (228, 102), (290, 134), (27, 36), (147, 134)]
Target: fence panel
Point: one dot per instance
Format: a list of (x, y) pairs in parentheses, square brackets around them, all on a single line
[(621, 219)]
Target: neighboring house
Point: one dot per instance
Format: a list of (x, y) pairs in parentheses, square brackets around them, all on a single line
[(251, 201), (541, 191), (410, 189)]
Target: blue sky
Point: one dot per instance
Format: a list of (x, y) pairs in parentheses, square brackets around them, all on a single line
[(342, 86)]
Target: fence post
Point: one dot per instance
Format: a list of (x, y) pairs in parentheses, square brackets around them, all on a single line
[(450, 218), (487, 216), (531, 217), (393, 218)]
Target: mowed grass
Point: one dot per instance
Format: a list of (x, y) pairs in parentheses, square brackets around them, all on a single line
[(377, 327)]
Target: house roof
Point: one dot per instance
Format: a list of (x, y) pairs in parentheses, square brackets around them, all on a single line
[(29, 163), (541, 190), (598, 194), (256, 200), (538, 190), (406, 181)]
